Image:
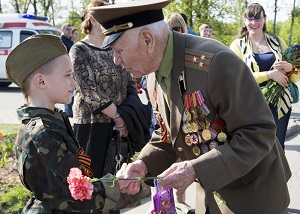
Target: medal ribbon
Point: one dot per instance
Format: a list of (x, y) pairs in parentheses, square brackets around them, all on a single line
[(200, 99), (85, 161)]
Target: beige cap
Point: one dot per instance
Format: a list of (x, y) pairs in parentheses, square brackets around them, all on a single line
[(31, 54), (118, 18)]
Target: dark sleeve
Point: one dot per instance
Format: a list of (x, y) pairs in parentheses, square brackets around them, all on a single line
[(46, 167)]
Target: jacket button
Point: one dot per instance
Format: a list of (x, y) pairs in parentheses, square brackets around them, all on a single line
[(179, 149)]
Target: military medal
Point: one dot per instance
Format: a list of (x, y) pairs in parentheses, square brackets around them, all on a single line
[(213, 144), (204, 148), (188, 115), (185, 128), (188, 140), (194, 139), (194, 127), (207, 123), (202, 125), (196, 150), (201, 113), (206, 135), (199, 138), (222, 137)]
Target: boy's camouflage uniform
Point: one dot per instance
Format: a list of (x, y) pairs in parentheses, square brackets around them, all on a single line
[(45, 152)]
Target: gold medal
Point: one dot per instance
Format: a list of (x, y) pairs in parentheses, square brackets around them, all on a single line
[(201, 113), (194, 114), (189, 127), (188, 115), (202, 125), (207, 123), (196, 150), (206, 134), (194, 127), (222, 137), (188, 140)]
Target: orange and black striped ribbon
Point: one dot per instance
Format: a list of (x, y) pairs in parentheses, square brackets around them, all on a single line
[(85, 161)]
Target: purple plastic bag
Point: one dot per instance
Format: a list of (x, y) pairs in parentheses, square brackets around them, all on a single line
[(163, 201)]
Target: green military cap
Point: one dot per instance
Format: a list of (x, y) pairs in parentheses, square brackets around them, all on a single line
[(118, 18), (31, 54)]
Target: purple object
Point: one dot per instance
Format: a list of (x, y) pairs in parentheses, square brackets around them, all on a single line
[(163, 200)]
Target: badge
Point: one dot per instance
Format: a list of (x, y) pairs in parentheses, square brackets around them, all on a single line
[(185, 128), (194, 138), (202, 125), (207, 123), (206, 134), (196, 150), (201, 113), (221, 137), (194, 114), (188, 140), (194, 127), (213, 144), (189, 127), (188, 115), (204, 148)]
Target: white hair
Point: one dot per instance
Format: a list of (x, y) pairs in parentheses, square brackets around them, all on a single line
[(159, 29)]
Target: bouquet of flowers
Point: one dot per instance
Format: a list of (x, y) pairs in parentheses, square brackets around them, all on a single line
[(273, 91)]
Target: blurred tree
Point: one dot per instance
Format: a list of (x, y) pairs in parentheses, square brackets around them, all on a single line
[(275, 15)]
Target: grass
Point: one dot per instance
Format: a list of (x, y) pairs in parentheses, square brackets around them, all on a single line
[(14, 198), (8, 135)]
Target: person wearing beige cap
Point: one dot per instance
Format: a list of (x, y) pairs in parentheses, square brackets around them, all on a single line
[(46, 148), (204, 96)]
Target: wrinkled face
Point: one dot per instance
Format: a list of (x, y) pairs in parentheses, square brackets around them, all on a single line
[(255, 24), (60, 82), (131, 52)]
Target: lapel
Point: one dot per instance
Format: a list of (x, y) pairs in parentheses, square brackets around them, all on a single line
[(172, 117), (161, 102), (176, 98)]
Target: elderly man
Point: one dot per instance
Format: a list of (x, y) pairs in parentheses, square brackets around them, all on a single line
[(205, 97)]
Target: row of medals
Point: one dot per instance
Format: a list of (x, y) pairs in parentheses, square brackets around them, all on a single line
[(196, 127)]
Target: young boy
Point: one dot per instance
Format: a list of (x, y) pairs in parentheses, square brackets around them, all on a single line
[(45, 148)]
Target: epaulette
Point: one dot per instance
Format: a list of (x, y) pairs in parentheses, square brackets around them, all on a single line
[(196, 59), (34, 125)]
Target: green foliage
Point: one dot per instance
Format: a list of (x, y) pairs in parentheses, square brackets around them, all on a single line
[(13, 199), (7, 142)]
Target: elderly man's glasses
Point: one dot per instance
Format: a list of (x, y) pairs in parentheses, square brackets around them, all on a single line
[(252, 19)]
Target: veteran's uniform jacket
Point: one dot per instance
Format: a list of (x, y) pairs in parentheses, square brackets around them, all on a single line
[(46, 150), (249, 171)]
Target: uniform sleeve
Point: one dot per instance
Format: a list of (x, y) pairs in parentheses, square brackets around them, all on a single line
[(238, 100), (46, 167), (85, 76)]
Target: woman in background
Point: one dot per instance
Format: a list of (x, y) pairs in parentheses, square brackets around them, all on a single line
[(262, 53), (102, 85)]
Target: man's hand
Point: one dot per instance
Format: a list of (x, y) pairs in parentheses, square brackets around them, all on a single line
[(132, 170), (178, 176)]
